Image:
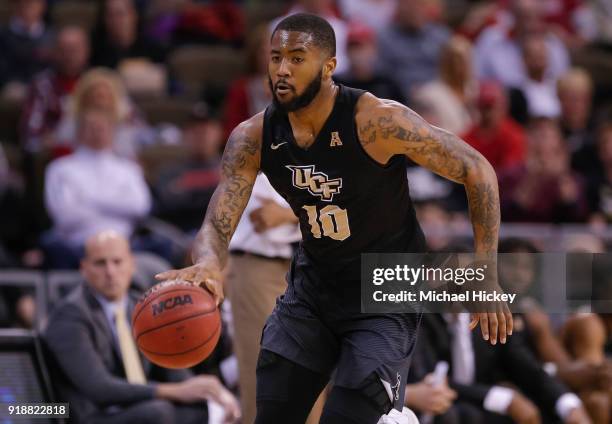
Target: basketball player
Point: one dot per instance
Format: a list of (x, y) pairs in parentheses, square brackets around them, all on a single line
[(338, 156)]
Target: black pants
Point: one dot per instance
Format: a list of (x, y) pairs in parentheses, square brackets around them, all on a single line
[(287, 391), (155, 411)]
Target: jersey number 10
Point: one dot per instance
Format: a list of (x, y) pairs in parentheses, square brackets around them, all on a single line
[(331, 221)]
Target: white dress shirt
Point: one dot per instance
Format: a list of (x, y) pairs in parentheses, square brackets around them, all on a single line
[(275, 242), (91, 191), (110, 307)]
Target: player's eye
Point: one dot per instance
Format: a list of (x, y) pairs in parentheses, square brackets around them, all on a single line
[(298, 59), (275, 59)]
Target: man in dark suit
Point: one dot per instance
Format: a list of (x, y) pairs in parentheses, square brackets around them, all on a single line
[(99, 369), (476, 373)]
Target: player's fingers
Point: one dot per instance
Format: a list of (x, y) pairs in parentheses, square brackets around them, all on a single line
[(474, 321), (509, 320), (167, 275), (493, 327), (214, 287), (501, 330), (484, 325)]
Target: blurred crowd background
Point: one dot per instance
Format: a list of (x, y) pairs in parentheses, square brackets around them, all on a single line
[(114, 115)]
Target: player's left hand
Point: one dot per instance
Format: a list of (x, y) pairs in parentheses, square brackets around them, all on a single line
[(494, 325)]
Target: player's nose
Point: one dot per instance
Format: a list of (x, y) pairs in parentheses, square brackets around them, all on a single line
[(283, 68)]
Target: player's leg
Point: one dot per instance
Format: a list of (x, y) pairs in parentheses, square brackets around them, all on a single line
[(364, 404), (286, 391), (374, 361)]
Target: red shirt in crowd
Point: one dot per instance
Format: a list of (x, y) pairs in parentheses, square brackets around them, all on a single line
[(503, 146)]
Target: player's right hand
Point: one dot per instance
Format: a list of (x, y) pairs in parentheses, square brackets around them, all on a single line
[(494, 326), (200, 274)]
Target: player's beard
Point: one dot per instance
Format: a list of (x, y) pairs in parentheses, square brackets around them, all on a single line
[(301, 101)]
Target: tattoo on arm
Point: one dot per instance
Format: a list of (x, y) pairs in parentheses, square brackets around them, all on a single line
[(238, 171), (483, 199), (434, 148), (402, 131)]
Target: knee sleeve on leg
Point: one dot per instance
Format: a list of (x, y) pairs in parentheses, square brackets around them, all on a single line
[(363, 405), (286, 391)]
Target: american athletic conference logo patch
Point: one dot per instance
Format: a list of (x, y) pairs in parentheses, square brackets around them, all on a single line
[(317, 183)]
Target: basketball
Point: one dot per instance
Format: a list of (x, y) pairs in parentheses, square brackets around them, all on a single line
[(176, 324)]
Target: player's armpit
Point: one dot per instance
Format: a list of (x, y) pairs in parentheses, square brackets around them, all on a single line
[(239, 167)]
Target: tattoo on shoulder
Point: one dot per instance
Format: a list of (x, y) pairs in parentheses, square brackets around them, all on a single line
[(239, 153), (440, 150)]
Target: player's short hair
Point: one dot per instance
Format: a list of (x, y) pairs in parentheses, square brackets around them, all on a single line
[(321, 31)]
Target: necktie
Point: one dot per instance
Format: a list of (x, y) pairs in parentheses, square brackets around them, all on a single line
[(129, 353)]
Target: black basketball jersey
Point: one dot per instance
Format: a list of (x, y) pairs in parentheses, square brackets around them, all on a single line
[(347, 203)]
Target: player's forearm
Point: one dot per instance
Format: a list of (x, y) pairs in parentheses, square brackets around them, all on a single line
[(224, 212), (483, 198)]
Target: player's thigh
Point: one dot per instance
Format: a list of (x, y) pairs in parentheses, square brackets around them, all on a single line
[(360, 405), (286, 391)]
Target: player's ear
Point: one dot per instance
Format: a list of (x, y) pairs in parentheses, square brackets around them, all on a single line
[(329, 67)]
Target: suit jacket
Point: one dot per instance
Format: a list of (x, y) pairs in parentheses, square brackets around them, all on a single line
[(86, 361), (511, 362)]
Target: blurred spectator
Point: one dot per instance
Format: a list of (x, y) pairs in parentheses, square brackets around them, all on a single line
[(118, 36), (497, 136), (544, 188), (98, 368), (102, 88), (325, 9), (210, 22), (498, 51), (480, 374), (250, 94), (434, 219), (585, 336), (25, 44), (538, 90), (602, 13), (575, 92), (600, 178), (362, 52), (412, 46), (183, 191), (450, 100), (47, 98), (91, 190), (581, 371), (14, 233), (377, 14)]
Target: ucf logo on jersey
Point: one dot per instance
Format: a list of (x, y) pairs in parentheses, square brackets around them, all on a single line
[(317, 183)]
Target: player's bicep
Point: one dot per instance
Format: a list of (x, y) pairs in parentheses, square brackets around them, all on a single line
[(239, 168), (433, 148)]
